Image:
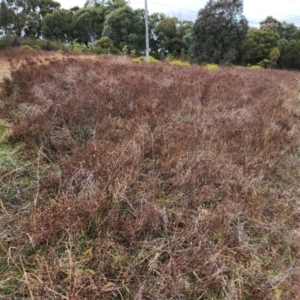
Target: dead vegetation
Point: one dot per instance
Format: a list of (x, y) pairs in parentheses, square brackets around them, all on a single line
[(150, 182)]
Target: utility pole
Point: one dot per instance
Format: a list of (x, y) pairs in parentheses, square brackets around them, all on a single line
[(147, 31)]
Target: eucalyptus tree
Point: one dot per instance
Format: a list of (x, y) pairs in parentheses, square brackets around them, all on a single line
[(24, 17), (219, 32), (126, 28)]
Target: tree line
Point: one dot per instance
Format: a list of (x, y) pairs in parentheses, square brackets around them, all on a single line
[(220, 34)]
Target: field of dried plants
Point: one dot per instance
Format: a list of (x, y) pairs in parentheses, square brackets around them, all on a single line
[(137, 181)]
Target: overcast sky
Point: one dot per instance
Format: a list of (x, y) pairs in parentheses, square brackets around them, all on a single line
[(254, 10)]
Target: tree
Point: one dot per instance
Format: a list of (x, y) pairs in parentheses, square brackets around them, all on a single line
[(126, 27), (6, 18), (290, 57), (24, 17), (58, 26), (166, 32), (48, 7), (259, 45), (219, 32), (271, 24), (289, 31), (154, 20), (188, 40), (88, 24), (169, 33), (17, 12), (110, 5), (273, 57), (33, 25)]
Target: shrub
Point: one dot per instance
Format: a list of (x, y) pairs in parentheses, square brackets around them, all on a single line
[(255, 67), (36, 47), (26, 47), (152, 60), (9, 41), (179, 63), (212, 67), (99, 50), (107, 45), (49, 45), (78, 47), (4, 44)]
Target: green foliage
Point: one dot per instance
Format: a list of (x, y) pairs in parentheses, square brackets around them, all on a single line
[(212, 67), (58, 26), (179, 63), (36, 47), (287, 31), (133, 52), (51, 45), (219, 32), (10, 162), (26, 47), (188, 40), (290, 55), (259, 45), (271, 23), (106, 44), (152, 60), (125, 50), (24, 17), (255, 67), (126, 27), (98, 50), (88, 24), (78, 47), (9, 41), (274, 57), (167, 35)]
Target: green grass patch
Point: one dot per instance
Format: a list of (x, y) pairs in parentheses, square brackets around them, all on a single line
[(17, 175)]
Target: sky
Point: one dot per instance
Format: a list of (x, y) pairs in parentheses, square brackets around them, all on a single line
[(254, 10)]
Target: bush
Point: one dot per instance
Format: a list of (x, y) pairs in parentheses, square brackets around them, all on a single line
[(36, 47), (26, 47), (9, 41), (152, 60), (4, 44), (107, 45), (99, 50), (49, 45), (78, 47), (212, 67), (179, 63), (255, 67)]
